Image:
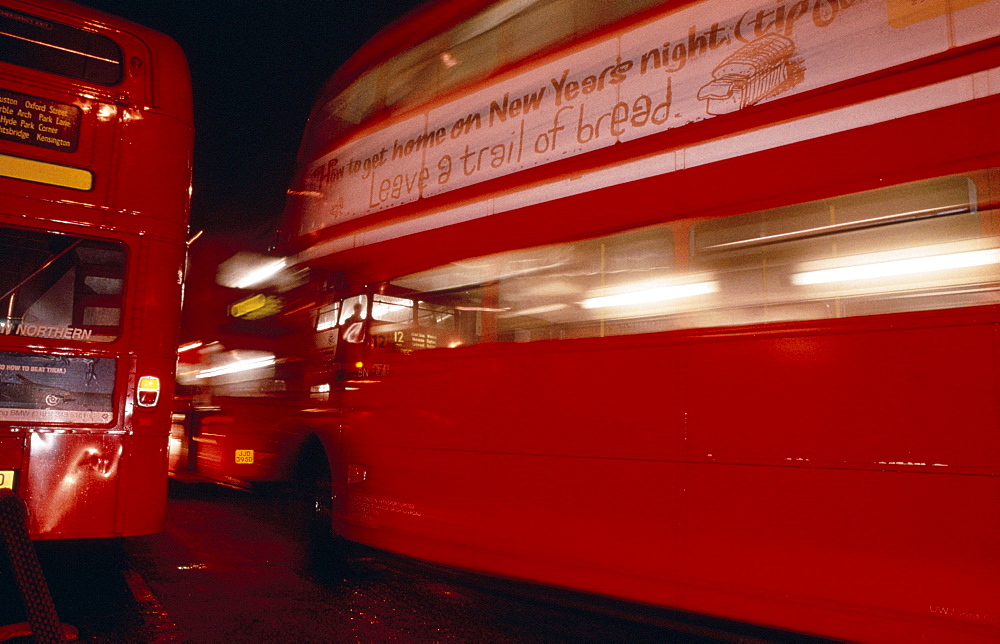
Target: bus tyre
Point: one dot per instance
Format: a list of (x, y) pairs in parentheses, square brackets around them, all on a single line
[(314, 501)]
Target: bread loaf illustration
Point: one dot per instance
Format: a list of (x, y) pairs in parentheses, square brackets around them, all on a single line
[(755, 72)]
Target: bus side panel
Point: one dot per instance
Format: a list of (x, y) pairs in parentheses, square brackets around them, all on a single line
[(447, 469), (559, 467), (868, 487), (859, 555), (143, 494), (804, 397), (158, 297), (161, 191), (734, 487)]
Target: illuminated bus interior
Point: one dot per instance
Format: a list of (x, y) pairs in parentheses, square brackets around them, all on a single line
[(913, 247)]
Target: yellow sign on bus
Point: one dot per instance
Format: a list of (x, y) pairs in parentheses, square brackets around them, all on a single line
[(244, 457), (6, 479)]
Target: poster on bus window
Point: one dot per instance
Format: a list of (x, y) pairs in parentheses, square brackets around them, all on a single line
[(38, 388), (705, 61)]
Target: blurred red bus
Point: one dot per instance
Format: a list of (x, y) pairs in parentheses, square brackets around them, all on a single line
[(688, 305), (95, 174)]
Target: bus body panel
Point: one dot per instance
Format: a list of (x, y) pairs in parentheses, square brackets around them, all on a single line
[(74, 482), (766, 465)]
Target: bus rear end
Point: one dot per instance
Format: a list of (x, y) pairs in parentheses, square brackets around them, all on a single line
[(95, 174)]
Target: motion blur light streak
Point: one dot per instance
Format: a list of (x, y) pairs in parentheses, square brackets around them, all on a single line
[(651, 295), (236, 367), (538, 310), (261, 274), (899, 267), (484, 309), (190, 346)]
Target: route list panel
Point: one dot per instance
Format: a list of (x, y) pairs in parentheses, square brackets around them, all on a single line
[(38, 121)]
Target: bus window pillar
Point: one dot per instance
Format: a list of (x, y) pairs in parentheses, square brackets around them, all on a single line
[(491, 304)]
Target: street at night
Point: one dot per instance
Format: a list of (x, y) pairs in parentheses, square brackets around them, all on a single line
[(499, 321), (229, 568)]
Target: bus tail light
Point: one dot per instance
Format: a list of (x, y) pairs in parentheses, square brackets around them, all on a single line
[(148, 391)]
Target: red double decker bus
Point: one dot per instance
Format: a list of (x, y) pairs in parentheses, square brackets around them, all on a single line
[(681, 303), (96, 140)]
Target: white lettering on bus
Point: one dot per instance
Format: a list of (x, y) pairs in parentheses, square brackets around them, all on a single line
[(41, 331), (637, 81)]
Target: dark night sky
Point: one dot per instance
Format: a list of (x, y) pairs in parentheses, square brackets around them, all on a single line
[(256, 67)]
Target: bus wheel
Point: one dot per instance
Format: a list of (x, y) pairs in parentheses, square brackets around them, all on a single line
[(314, 501)]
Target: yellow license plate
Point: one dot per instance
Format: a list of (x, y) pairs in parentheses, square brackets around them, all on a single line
[(7, 479), (244, 457)]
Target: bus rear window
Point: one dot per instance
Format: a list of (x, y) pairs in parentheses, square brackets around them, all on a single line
[(47, 46), (62, 287)]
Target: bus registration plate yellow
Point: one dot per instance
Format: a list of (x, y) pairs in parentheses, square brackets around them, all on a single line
[(7, 479), (244, 457)]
